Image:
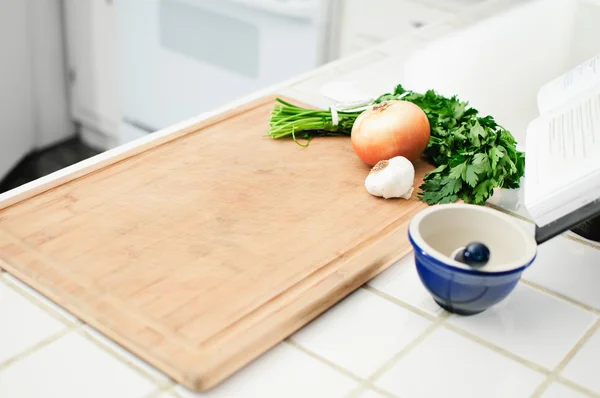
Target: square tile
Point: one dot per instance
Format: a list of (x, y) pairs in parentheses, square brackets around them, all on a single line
[(44, 302), (402, 282), (126, 356), (283, 371), (446, 364), (362, 332), (72, 367), (580, 238), (371, 394), (23, 324), (559, 390), (169, 394), (569, 268), (583, 368), (530, 324)]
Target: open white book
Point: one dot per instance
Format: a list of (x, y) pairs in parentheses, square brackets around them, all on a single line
[(562, 165)]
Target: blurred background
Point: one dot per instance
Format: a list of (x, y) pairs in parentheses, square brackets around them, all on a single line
[(81, 76)]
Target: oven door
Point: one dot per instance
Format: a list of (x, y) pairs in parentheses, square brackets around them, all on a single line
[(180, 58)]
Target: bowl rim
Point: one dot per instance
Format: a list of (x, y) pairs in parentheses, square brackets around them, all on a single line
[(522, 262)]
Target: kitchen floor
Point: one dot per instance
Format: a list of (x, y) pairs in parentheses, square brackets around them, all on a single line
[(49, 160)]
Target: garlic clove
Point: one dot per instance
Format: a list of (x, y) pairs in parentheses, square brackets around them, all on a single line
[(393, 178), (408, 194)]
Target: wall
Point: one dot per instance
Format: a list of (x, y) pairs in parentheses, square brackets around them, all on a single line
[(52, 122), (16, 102), (33, 99)]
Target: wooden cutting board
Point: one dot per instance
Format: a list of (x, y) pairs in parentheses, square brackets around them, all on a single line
[(202, 249)]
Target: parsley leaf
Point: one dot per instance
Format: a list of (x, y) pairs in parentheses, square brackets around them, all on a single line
[(495, 154), (471, 176), (439, 169), (450, 187), (459, 171), (482, 161)]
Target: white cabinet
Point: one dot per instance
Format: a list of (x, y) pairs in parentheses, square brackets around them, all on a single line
[(93, 69), (367, 23)]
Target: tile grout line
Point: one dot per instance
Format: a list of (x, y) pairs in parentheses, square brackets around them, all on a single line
[(466, 334), (576, 386), (401, 303), (324, 360), (365, 386), (472, 337), (497, 349), (39, 303), (481, 341), (165, 385), (157, 393), (560, 367), (363, 383), (560, 296), (502, 351), (510, 213), (77, 327), (173, 391), (403, 352), (154, 394), (36, 347), (489, 345)]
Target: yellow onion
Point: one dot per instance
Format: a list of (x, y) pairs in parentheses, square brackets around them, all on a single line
[(390, 129)]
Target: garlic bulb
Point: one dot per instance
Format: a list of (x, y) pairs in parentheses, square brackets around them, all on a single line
[(392, 178)]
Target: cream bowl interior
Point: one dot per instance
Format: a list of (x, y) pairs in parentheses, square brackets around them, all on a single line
[(440, 230)]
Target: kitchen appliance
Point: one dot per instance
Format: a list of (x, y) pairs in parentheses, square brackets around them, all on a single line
[(179, 58)]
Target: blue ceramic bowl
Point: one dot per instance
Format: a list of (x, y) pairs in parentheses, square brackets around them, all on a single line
[(438, 231)]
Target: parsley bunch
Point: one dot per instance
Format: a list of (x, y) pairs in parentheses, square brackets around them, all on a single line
[(473, 154)]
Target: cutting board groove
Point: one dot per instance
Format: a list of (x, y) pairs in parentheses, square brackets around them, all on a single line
[(202, 249)]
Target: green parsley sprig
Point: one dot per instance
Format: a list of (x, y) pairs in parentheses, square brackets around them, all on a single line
[(473, 154)]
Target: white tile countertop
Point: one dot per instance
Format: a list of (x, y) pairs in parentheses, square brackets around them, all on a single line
[(387, 339)]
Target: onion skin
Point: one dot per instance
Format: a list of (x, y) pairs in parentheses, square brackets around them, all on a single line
[(390, 129)]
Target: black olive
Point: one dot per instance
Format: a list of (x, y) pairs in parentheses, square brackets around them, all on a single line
[(475, 255)]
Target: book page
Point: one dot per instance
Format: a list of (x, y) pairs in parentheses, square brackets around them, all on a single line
[(563, 147), (564, 88)]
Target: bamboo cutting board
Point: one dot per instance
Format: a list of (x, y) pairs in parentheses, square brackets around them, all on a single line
[(201, 250)]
